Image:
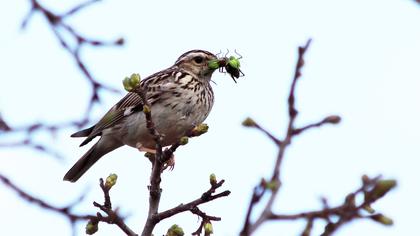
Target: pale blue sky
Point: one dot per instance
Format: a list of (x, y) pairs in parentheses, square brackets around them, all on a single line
[(363, 65)]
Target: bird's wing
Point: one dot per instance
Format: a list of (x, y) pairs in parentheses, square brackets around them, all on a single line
[(156, 84)]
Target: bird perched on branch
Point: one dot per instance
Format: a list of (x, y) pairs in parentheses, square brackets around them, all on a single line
[(180, 98)]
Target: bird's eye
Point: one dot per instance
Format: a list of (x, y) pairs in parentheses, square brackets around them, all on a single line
[(198, 59)]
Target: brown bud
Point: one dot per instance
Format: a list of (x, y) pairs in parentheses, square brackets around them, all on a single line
[(381, 188), (382, 219), (248, 122), (332, 119)]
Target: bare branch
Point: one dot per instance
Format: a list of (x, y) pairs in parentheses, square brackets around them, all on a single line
[(64, 211), (78, 8), (372, 189), (206, 197), (275, 182), (112, 215), (60, 28)]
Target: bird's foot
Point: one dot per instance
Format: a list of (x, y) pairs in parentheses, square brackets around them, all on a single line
[(170, 163)]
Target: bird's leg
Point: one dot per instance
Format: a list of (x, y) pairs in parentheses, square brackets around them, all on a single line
[(142, 148)]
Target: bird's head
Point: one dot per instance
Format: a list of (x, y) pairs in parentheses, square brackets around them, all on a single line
[(197, 63)]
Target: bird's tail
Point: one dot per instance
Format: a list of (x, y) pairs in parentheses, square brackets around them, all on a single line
[(90, 158)]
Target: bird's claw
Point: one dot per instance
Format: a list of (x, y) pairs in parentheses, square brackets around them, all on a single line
[(170, 163)]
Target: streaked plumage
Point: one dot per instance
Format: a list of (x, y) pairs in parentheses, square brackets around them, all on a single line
[(180, 97)]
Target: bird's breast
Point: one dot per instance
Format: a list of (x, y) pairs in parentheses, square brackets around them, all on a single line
[(174, 115)]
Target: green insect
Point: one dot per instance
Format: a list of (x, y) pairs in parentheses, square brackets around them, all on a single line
[(231, 65), (232, 68)]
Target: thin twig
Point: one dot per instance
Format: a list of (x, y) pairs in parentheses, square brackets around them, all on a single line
[(206, 197), (204, 220), (61, 30), (275, 181), (56, 23), (64, 211), (112, 215)]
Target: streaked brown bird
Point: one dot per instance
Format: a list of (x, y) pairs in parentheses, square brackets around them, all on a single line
[(180, 97)]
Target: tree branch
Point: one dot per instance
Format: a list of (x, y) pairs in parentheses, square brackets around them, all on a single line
[(158, 164), (206, 197), (275, 182), (60, 28), (64, 211), (112, 215), (57, 23), (346, 212)]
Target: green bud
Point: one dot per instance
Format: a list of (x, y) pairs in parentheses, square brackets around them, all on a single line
[(381, 188), (248, 122), (175, 230), (111, 180), (91, 227), (183, 140), (131, 82), (127, 84), (382, 219), (200, 129), (213, 180), (214, 64), (208, 228), (234, 62), (272, 185), (134, 80), (146, 109)]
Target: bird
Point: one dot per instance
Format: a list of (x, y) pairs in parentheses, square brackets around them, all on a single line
[(180, 98)]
